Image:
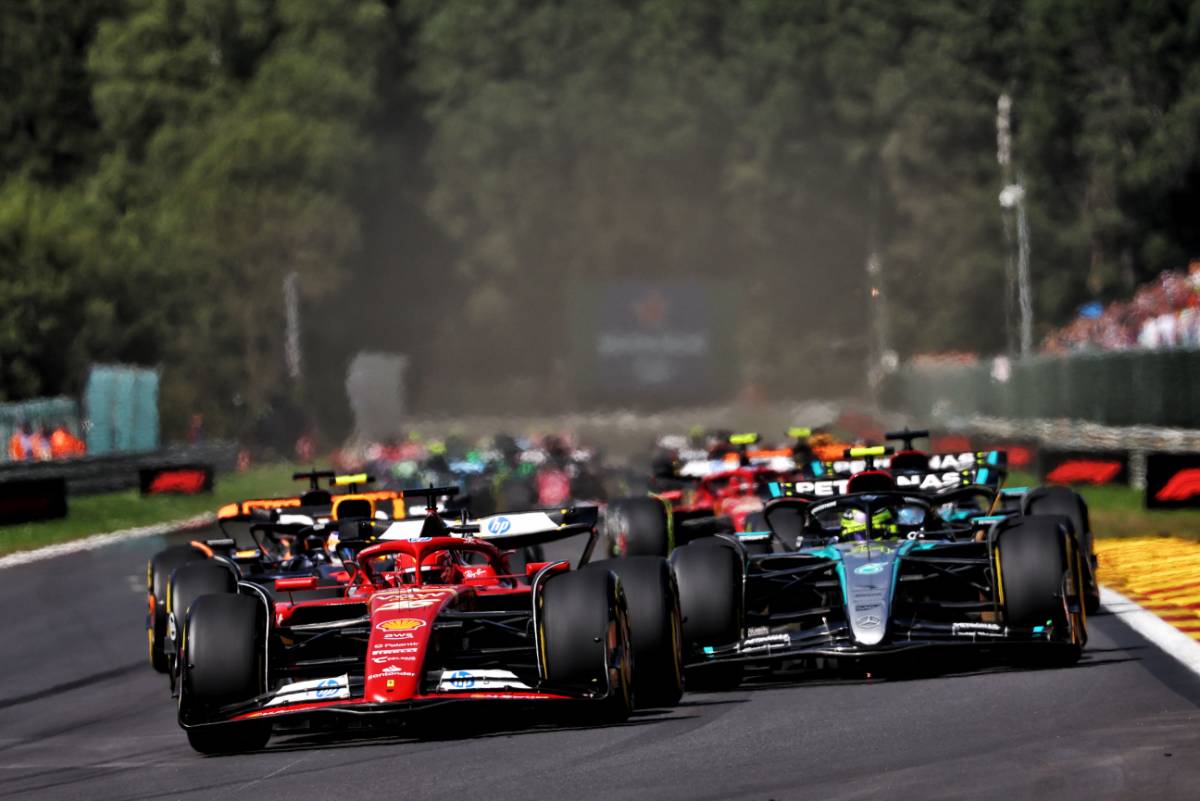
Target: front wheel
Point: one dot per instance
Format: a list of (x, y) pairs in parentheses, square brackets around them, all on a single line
[(1035, 556), (655, 623), (710, 577), (585, 640), (1056, 500), (223, 655)]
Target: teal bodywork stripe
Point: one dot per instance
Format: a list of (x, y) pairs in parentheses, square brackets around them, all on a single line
[(834, 555), (775, 490)]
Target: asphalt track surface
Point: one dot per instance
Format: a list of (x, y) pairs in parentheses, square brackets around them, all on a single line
[(83, 717)]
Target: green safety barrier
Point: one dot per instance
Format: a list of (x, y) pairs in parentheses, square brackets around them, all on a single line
[(1123, 388)]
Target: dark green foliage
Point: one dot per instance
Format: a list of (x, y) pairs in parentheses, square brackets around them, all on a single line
[(438, 173)]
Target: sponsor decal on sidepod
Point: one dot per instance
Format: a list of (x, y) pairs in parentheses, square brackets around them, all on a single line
[(401, 624)]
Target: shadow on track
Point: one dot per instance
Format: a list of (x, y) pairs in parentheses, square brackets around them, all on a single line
[(73, 684), (416, 732), (893, 675)]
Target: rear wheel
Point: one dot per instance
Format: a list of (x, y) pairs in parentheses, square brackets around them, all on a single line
[(585, 638), (158, 574), (1033, 555), (223, 654), (191, 581), (710, 577), (638, 527), (1063, 501), (655, 623)]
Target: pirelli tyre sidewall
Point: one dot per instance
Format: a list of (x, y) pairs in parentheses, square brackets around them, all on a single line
[(585, 640), (223, 653), (158, 574), (656, 627), (1039, 569)]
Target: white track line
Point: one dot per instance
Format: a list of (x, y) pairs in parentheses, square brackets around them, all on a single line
[(101, 540), (1153, 628)]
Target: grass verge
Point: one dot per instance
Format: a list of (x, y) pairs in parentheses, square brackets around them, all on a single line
[(99, 514), (1121, 512)]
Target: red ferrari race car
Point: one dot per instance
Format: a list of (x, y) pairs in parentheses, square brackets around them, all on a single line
[(428, 621)]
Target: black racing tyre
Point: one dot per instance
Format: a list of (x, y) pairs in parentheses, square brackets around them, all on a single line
[(1032, 553), (585, 637), (158, 574), (1056, 500), (710, 577), (193, 580), (224, 650), (656, 627), (638, 527)]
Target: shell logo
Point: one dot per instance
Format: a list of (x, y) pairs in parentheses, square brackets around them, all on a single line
[(401, 624)]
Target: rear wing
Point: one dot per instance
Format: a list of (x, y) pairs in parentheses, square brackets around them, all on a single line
[(523, 529), (515, 530), (938, 462), (246, 509), (930, 481)]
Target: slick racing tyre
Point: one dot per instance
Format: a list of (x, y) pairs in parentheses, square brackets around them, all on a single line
[(158, 573), (710, 576), (655, 624), (1066, 502), (224, 652), (191, 581), (638, 527), (1033, 557), (585, 640)]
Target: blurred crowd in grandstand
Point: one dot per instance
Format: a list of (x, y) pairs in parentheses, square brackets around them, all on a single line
[(1163, 313)]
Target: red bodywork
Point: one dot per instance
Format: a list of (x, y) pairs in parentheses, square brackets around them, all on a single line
[(406, 585), (733, 494)]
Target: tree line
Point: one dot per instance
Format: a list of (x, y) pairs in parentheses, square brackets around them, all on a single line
[(439, 173)]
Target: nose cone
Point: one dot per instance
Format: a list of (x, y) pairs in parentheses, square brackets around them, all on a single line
[(401, 623), (870, 569)]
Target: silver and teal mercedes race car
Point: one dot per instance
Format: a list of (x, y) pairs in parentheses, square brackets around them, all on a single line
[(878, 572)]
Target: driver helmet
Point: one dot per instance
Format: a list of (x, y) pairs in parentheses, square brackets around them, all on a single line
[(854, 524)]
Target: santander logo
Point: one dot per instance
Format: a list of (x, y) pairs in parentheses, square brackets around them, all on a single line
[(1183, 485)]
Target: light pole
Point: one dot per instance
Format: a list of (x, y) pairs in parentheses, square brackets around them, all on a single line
[(1012, 201)]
